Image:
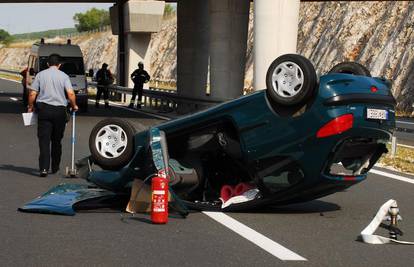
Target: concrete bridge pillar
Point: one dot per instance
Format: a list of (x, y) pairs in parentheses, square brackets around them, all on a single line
[(192, 48), (140, 18), (275, 33), (211, 48), (229, 23)]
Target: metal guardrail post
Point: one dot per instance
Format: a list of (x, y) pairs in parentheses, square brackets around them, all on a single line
[(393, 146)]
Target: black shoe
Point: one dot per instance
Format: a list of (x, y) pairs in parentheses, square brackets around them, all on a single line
[(97, 105), (54, 170), (131, 105), (43, 173), (107, 106), (139, 106)]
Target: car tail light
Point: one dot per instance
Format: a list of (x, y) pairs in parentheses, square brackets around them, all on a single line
[(374, 89), (336, 126)]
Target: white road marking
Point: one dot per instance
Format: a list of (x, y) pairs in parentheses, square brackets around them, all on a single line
[(405, 122), (393, 176), (14, 99), (135, 110), (256, 238)]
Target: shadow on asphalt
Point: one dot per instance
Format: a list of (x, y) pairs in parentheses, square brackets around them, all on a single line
[(111, 112), (7, 106), (315, 206), (24, 170), (16, 95), (135, 218)]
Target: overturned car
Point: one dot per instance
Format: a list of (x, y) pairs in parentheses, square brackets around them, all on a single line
[(300, 139)]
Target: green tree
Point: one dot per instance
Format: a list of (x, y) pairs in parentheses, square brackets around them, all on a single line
[(5, 37), (168, 10), (92, 19)]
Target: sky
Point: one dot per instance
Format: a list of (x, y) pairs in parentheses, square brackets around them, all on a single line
[(22, 18)]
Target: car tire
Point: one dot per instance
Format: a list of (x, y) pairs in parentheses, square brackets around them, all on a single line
[(291, 80), (111, 143), (351, 68)]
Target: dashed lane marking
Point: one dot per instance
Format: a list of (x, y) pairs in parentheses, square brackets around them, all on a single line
[(392, 176), (256, 238), (14, 99)]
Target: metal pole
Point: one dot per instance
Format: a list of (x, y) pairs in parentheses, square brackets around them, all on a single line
[(73, 140), (393, 146)]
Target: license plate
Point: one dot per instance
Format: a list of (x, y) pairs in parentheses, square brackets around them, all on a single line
[(377, 114)]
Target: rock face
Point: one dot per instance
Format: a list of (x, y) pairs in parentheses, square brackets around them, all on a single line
[(97, 48), (378, 35), (13, 58)]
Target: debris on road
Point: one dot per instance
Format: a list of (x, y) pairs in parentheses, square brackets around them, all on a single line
[(389, 211)]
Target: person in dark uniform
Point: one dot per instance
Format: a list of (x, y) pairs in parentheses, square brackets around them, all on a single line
[(25, 94), (139, 77), (49, 89), (104, 78)]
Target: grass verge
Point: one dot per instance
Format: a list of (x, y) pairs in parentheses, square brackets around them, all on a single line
[(10, 76), (403, 160)]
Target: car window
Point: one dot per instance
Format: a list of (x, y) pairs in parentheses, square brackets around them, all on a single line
[(72, 66), (69, 65), (43, 63), (30, 61), (36, 64)]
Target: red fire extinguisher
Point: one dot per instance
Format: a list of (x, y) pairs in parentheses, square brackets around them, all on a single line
[(159, 203)]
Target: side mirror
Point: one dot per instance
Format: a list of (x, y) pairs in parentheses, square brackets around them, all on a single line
[(32, 72)]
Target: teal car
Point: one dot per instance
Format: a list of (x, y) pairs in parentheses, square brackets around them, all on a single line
[(302, 138)]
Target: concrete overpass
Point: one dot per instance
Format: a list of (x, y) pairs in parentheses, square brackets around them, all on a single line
[(211, 40)]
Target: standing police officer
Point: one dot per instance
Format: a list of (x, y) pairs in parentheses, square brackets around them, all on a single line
[(139, 77), (104, 78), (51, 86)]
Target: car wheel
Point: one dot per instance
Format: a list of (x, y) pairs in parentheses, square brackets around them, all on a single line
[(112, 143), (351, 68), (291, 80)]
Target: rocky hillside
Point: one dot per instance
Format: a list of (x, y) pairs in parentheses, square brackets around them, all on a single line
[(97, 48), (377, 34)]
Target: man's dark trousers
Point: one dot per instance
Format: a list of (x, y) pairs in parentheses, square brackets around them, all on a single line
[(102, 89), (50, 130), (138, 89)]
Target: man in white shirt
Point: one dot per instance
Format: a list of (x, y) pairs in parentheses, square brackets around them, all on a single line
[(51, 86)]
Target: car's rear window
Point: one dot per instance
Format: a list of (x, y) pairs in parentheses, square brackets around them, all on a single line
[(70, 65)]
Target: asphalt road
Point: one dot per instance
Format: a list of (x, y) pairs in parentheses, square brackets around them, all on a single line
[(322, 231), (405, 133)]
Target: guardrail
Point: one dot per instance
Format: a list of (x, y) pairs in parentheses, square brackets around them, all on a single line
[(10, 71), (162, 99)]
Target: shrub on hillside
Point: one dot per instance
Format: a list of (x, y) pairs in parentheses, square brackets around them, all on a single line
[(5, 37), (91, 20)]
